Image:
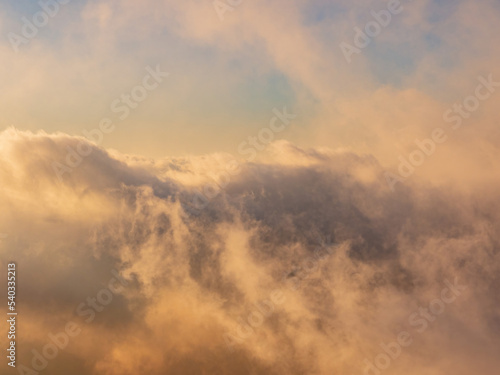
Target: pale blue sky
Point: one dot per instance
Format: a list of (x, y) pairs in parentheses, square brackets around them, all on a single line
[(227, 76)]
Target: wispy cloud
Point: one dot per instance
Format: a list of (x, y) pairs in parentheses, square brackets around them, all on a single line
[(197, 279)]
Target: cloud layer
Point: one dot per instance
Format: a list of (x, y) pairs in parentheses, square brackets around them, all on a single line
[(340, 260)]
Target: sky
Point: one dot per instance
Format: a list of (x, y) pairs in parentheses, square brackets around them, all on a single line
[(229, 70), (251, 187)]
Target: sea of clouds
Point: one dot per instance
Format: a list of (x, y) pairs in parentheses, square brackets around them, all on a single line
[(305, 262)]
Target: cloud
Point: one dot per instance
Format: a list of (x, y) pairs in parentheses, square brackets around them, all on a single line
[(352, 258)]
